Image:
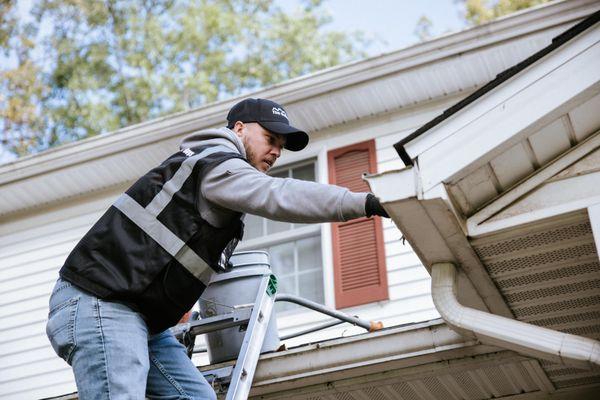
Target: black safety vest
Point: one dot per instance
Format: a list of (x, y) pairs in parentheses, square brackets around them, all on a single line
[(151, 249)]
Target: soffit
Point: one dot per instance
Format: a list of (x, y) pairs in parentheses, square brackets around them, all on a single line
[(548, 272), (539, 250), (498, 175), (500, 375)]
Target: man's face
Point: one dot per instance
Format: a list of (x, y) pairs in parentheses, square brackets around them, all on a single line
[(263, 148)]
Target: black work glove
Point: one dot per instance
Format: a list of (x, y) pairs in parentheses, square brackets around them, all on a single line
[(374, 207)]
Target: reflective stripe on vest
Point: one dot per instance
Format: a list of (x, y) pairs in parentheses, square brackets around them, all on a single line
[(146, 218)]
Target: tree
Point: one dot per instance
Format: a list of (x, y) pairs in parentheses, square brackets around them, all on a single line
[(476, 12), (481, 11), (21, 89), (423, 28), (88, 67)]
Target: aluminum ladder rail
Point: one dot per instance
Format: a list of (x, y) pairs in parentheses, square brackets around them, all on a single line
[(245, 366)]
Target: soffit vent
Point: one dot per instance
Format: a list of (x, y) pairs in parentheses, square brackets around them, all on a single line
[(564, 377), (567, 319), (556, 291), (581, 230), (540, 259), (562, 272), (542, 310), (549, 275), (588, 380)]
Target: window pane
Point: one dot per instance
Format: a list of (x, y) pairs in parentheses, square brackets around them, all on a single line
[(282, 306), (277, 226), (281, 174), (282, 259), (286, 284), (311, 286), (253, 226), (282, 265), (306, 172), (309, 253)]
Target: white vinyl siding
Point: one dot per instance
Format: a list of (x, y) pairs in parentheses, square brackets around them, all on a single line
[(32, 252), (408, 280)]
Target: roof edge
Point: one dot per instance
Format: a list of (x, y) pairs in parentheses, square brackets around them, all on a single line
[(502, 77)]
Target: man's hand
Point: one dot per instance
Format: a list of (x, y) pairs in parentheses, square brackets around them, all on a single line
[(374, 207)]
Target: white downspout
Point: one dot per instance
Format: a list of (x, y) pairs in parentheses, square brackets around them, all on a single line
[(505, 332)]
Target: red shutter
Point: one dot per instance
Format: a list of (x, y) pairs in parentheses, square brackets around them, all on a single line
[(358, 253)]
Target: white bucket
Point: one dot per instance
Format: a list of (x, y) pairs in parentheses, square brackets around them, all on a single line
[(236, 287)]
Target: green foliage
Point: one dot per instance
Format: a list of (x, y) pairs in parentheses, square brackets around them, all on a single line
[(423, 28), (476, 12), (481, 11), (87, 67)]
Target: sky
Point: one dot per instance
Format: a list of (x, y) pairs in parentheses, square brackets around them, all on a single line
[(389, 23), (392, 21)]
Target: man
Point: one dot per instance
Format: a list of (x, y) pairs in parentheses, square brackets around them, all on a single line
[(147, 260)]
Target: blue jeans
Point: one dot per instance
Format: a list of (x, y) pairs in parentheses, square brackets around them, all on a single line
[(112, 354)]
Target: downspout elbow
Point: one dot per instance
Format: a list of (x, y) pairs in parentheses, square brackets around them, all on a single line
[(514, 335)]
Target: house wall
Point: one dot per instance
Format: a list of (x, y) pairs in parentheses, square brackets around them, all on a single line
[(32, 249)]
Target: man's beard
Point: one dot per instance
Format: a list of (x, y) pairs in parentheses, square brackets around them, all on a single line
[(250, 155)]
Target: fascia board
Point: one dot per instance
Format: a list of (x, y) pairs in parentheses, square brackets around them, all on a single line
[(294, 91), (518, 107), (479, 223), (360, 355), (395, 185)]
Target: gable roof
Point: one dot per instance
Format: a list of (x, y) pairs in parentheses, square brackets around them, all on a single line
[(502, 77)]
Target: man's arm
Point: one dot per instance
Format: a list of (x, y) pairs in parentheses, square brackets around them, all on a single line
[(236, 185)]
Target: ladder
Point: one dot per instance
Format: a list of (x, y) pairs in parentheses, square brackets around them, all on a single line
[(256, 316)]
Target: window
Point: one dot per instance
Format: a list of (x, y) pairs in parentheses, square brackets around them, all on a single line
[(295, 249)]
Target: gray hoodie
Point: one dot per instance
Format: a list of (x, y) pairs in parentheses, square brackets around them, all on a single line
[(236, 185)]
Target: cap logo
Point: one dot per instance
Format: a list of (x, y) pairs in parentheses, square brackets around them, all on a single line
[(280, 111)]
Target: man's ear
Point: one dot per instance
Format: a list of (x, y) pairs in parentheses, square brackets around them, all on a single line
[(238, 128)]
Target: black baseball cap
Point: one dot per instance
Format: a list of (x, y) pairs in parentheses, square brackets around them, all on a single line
[(270, 116)]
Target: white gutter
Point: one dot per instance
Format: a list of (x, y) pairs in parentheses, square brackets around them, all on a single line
[(505, 332)]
